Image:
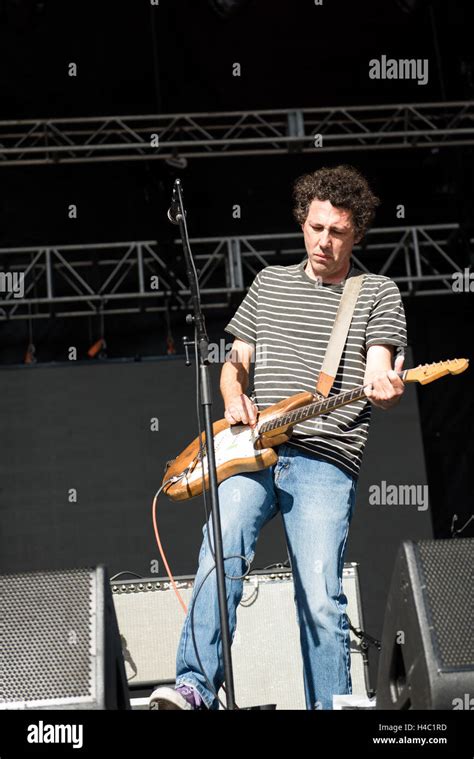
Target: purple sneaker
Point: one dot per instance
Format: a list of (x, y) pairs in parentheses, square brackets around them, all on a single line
[(181, 698)]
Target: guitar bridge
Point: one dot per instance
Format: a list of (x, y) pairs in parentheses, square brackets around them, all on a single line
[(198, 459)]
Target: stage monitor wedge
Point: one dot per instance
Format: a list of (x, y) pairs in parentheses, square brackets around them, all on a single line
[(61, 646), (427, 657)]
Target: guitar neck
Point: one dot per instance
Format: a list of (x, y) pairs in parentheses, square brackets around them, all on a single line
[(317, 408)]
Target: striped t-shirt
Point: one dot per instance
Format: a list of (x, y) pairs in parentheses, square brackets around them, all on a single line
[(288, 317)]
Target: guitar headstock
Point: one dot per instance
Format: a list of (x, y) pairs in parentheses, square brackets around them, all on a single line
[(429, 372)]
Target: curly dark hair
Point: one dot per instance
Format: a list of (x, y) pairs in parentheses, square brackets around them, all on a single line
[(344, 187)]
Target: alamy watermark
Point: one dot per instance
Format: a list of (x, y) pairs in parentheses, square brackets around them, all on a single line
[(399, 495), (404, 68), (463, 281), (466, 702), (13, 282), (223, 351), (43, 732)]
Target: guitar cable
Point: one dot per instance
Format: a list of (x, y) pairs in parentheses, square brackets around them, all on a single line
[(160, 547), (173, 582)]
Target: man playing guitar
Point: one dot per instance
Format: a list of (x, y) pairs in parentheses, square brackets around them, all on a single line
[(284, 324)]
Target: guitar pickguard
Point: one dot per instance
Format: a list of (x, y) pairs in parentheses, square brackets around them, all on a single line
[(236, 442)]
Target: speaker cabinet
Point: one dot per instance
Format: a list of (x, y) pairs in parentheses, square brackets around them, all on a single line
[(427, 657), (266, 652), (60, 642)]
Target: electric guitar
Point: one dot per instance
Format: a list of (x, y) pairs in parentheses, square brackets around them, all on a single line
[(241, 448)]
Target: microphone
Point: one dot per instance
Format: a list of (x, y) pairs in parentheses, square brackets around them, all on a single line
[(174, 211)]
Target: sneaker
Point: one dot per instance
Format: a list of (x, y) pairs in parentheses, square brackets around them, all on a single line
[(171, 699)]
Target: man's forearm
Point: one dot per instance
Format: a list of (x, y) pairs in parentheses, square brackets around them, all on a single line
[(234, 380)]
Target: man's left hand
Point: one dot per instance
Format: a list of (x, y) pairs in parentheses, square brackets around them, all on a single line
[(386, 388)]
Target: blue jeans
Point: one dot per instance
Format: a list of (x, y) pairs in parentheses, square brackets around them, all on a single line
[(316, 501)]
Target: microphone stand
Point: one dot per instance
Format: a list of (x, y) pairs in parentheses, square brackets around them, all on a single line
[(177, 215)]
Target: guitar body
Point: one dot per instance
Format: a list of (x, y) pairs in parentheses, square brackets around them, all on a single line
[(238, 448)]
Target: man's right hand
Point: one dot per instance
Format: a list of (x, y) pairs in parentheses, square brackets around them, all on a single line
[(240, 409)]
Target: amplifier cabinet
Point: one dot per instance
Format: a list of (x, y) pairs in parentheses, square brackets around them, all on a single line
[(266, 652)]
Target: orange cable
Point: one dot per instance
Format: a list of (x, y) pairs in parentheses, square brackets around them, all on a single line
[(163, 556)]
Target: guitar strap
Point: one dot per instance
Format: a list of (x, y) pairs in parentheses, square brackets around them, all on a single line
[(339, 332)]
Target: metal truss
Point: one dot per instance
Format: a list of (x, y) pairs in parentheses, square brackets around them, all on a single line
[(176, 137), (138, 277)]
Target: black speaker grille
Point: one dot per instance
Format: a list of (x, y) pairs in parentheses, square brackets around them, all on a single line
[(447, 575), (48, 635)]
